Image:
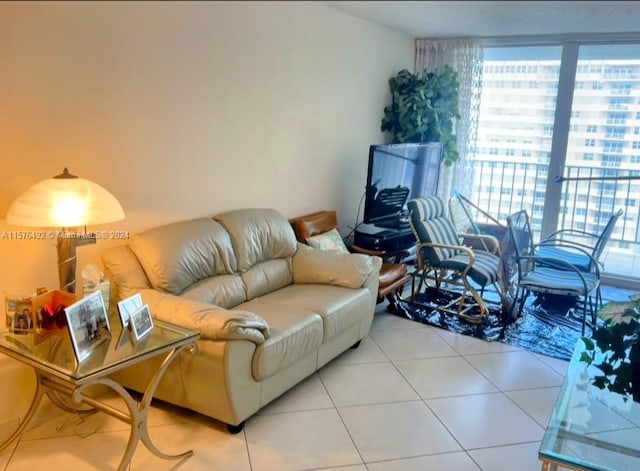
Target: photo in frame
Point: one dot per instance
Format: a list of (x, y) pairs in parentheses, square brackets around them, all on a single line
[(88, 324), (127, 307), (141, 322), (19, 315)]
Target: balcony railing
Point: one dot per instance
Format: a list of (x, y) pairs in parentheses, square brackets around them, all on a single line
[(503, 188)]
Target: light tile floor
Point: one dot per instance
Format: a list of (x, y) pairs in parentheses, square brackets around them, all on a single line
[(411, 397)]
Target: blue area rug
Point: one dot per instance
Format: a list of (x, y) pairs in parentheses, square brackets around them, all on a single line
[(548, 325)]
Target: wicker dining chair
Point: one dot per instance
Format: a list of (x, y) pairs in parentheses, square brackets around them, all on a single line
[(443, 260)]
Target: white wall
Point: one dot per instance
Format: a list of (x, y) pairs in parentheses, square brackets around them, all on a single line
[(187, 109)]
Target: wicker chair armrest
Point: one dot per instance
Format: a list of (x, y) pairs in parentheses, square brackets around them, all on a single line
[(461, 248), (489, 242)]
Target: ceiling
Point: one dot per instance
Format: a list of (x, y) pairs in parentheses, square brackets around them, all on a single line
[(495, 19)]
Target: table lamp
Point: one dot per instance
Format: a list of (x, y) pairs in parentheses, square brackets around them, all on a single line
[(65, 202)]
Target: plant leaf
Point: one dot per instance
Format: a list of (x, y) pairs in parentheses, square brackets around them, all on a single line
[(588, 343)]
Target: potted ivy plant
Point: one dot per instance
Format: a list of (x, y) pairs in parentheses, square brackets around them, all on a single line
[(614, 348), (424, 108)]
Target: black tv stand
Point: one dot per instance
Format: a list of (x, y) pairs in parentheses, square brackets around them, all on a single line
[(397, 224), (374, 237)]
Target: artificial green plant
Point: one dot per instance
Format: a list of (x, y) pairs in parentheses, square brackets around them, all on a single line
[(618, 341), (424, 108)]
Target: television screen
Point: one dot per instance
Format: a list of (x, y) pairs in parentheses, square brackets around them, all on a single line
[(396, 174)]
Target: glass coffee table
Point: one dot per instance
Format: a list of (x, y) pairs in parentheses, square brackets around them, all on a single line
[(65, 382), (590, 428)]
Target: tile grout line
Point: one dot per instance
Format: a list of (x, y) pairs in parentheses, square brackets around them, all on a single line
[(337, 411), (246, 446), (459, 355), (13, 452), (504, 393), (423, 400)]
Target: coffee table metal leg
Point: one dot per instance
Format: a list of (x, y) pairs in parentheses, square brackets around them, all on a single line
[(61, 399), (138, 411), (145, 404)]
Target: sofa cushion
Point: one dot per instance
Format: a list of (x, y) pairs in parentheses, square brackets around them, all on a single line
[(177, 255), (267, 276), (294, 333), (258, 235), (333, 267), (339, 307), (124, 270), (330, 240), (222, 290)]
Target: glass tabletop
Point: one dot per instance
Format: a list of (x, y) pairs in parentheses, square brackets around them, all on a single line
[(55, 356), (591, 428)]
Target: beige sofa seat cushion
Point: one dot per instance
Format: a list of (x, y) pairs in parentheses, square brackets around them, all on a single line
[(222, 290), (294, 333), (340, 308), (177, 255), (258, 235)]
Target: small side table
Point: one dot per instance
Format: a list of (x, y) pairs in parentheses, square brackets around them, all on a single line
[(590, 428), (64, 381)]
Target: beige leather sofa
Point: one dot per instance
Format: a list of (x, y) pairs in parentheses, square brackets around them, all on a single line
[(270, 311)]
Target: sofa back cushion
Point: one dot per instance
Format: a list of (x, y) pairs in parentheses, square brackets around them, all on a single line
[(177, 255), (258, 235), (124, 270), (264, 243), (267, 276), (225, 291)]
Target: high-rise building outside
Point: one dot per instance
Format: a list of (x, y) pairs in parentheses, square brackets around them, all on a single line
[(602, 166)]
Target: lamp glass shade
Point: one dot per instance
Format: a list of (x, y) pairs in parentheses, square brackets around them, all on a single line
[(64, 202)]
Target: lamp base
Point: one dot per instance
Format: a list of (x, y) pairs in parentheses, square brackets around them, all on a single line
[(66, 248)]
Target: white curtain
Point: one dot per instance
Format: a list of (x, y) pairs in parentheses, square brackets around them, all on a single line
[(465, 56)]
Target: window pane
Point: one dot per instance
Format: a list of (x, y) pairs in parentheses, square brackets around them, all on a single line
[(601, 150), (515, 132), (515, 128)]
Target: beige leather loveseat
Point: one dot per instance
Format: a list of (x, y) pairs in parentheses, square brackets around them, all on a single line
[(270, 311)]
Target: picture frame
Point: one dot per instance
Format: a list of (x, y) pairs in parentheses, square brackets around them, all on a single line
[(141, 322), (19, 317), (127, 307), (124, 339), (48, 310), (88, 324)]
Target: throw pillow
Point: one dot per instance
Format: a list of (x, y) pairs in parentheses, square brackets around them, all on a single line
[(333, 267), (330, 240)]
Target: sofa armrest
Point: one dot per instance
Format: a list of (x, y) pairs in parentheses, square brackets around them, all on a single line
[(331, 267), (213, 322)]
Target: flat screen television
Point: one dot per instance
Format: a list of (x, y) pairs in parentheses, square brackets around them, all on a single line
[(396, 174)]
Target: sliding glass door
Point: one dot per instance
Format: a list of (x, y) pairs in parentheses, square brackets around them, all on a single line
[(515, 129), (603, 152), (559, 135)]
